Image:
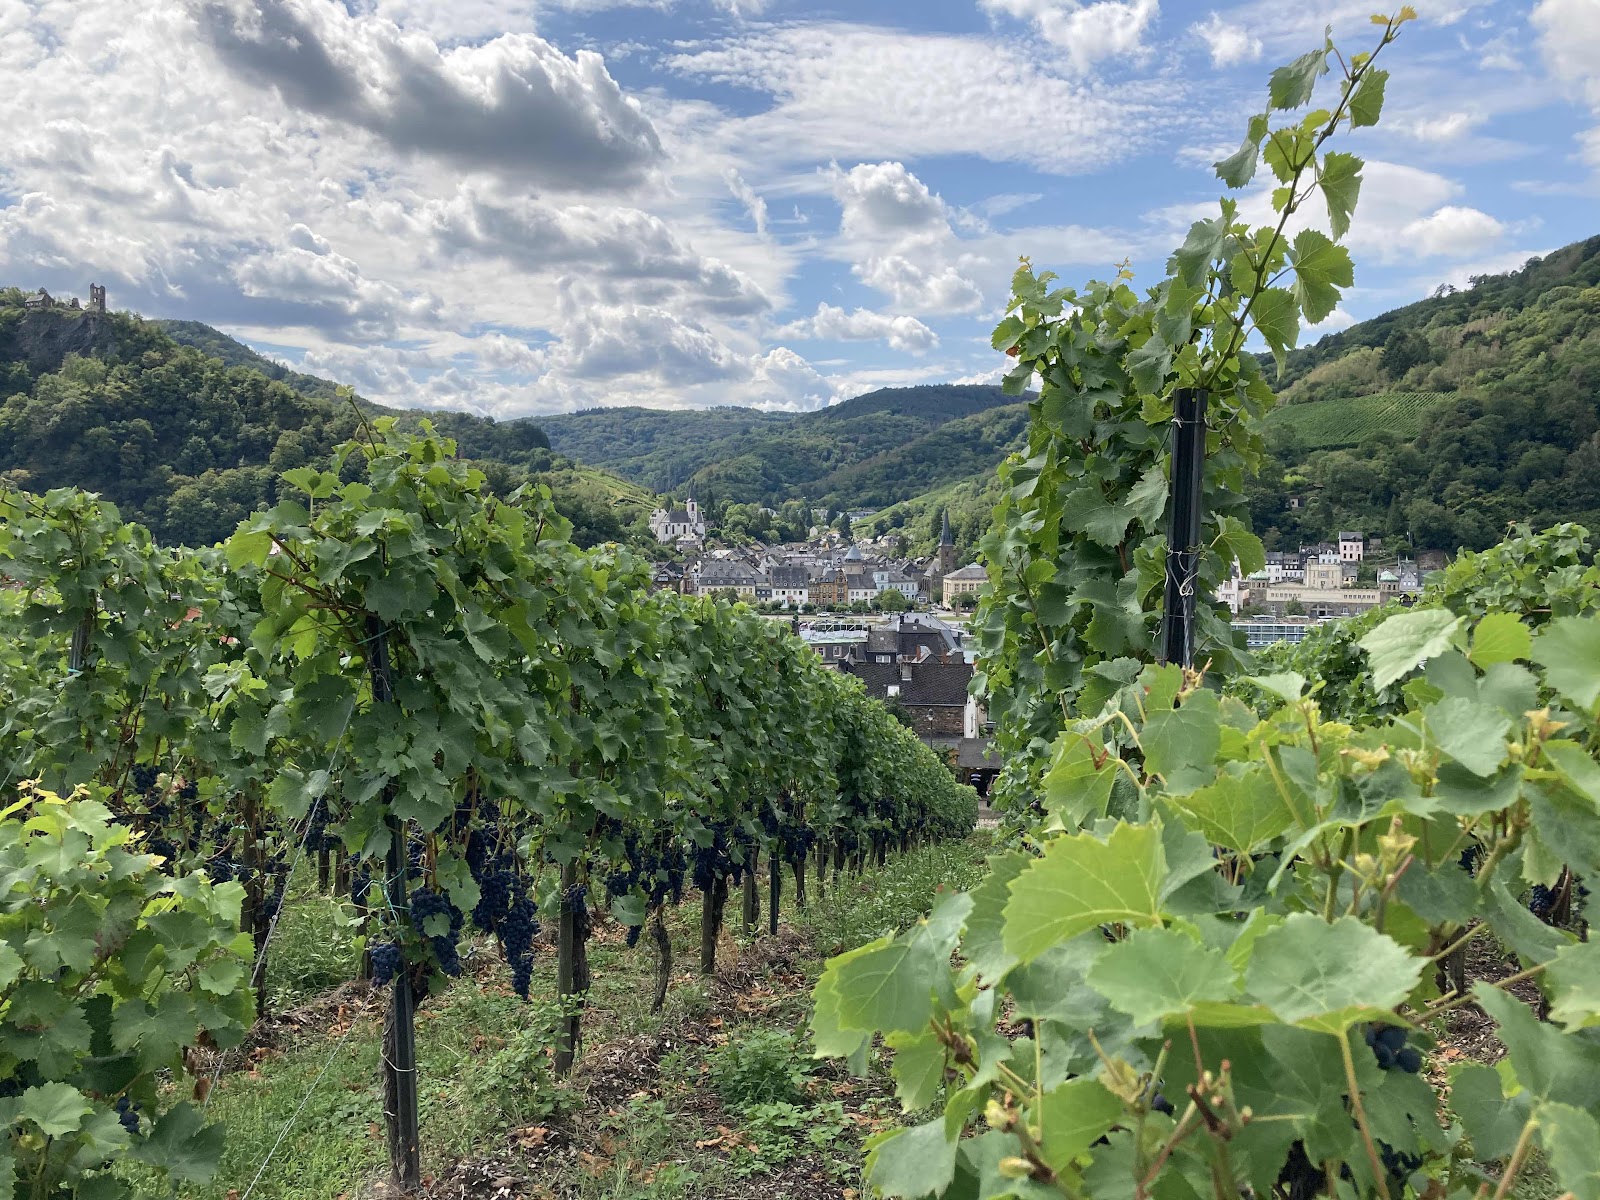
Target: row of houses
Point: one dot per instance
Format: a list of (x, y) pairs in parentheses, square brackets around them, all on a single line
[(797, 577), (1321, 581)]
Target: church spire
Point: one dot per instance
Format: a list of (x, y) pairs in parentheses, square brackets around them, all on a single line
[(945, 537)]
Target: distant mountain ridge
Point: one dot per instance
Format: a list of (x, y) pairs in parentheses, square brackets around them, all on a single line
[(874, 449)]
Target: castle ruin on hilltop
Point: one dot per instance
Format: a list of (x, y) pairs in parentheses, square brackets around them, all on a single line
[(42, 301)]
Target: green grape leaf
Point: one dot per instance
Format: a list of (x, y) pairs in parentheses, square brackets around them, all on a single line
[(1072, 1117), (1150, 364), (1492, 1120), (1578, 771), (1290, 685), (888, 988), (1236, 543), (1569, 651), (1574, 978), (1366, 104), (1239, 168), (248, 549), (1159, 973), (1570, 1136), (1238, 812), (918, 1067), (1203, 244), (1276, 317), (1326, 976), (911, 1163), (984, 945), (1500, 637), (56, 1108), (1180, 744), (1471, 732), (1082, 882), (1292, 85), (1550, 1065), (1075, 788), (1088, 511), (1321, 268), (1341, 188), (183, 1145), (1401, 644), (1147, 499)]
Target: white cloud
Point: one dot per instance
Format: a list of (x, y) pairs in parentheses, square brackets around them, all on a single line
[(1087, 32), (514, 104), (1569, 38), (1451, 232), (843, 91), (750, 198), (1228, 42), (906, 334), (635, 251), (918, 288), (1439, 127), (781, 379), (884, 200), (302, 274)]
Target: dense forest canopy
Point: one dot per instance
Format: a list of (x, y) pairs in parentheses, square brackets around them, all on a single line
[(872, 450), (189, 439)]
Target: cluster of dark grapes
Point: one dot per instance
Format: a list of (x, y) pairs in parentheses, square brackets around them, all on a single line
[(795, 842), (710, 862), (318, 837), (1542, 901), (505, 904), (426, 903), (128, 1114), (385, 962), (653, 869), (1388, 1043), (1398, 1164)]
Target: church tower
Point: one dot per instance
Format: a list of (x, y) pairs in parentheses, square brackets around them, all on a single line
[(947, 547)]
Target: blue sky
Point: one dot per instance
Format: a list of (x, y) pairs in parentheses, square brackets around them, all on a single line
[(530, 206)]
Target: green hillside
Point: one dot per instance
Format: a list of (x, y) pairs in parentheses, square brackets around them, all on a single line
[(866, 451), (190, 438), (1449, 419)]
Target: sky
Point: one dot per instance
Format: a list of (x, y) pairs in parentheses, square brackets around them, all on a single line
[(521, 207)]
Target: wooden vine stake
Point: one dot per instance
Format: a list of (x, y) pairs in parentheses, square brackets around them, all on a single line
[(399, 1021)]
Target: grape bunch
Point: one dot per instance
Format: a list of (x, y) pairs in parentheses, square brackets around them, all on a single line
[(425, 904), (385, 962), (1398, 1164), (1388, 1043), (128, 1114)]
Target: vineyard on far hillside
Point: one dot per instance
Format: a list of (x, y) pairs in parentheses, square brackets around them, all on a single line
[(1332, 424)]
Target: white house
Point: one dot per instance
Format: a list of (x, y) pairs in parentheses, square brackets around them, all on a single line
[(1352, 545)]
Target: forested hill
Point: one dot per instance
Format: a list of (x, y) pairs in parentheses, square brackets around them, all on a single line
[(190, 440), (874, 449), (1447, 419)]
